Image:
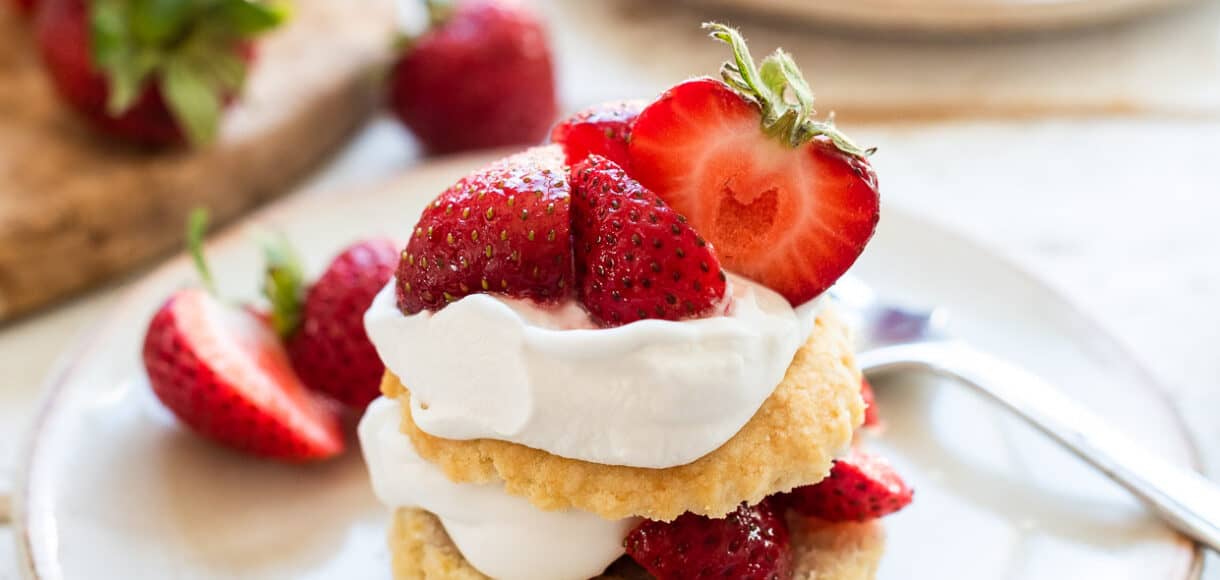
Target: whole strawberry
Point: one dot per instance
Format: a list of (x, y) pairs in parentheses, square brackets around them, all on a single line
[(502, 229), (481, 77), (637, 258), (603, 130), (154, 74), (860, 487), (324, 325), (788, 200), (223, 372), (751, 543)]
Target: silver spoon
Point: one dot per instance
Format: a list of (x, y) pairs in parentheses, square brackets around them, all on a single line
[(899, 339)]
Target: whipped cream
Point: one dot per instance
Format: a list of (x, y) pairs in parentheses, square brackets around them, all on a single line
[(653, 393), (503, 536)]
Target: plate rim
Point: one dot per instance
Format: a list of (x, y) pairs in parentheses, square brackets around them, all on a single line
[(958, 17), (55, 386)]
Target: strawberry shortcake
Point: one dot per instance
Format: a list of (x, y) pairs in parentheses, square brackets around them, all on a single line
[(614, 356)]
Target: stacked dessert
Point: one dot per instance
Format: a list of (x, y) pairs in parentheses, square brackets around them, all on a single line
[(613, 357)]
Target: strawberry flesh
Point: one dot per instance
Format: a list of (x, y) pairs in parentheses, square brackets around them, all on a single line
[(225, 375), (331, 351), (603, 130), (792, 218), (502, 229), (860, 487), (636, 258), (750, 543)]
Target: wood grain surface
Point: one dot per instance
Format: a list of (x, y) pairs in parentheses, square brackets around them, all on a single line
[(77, 209)]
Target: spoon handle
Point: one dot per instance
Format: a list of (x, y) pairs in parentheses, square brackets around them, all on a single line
[(1186, 500)]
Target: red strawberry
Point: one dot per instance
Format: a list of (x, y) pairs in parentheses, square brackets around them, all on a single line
[(637, 258), (504, 229), (860, 487), (788, 201), (481, 78), (871, 417), (324, 327), (750, 543), (164, 87), (223, 372), (602, 130)]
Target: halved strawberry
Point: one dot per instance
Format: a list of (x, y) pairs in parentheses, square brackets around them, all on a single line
[(789, 202), (503, 229), (224, 373), (603, 129), (860, 487), (751, 543), (637, 258)]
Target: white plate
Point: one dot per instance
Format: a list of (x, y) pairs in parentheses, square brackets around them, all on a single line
[(113, 488), (954, 15)]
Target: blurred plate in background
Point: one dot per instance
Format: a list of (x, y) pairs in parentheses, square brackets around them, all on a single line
[(953, 15)]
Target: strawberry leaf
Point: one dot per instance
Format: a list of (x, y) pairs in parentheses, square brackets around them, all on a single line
[(190, 47), (283, 284), (770, 86), (246, 19), (194, 98), (196, 229), (159, 22)]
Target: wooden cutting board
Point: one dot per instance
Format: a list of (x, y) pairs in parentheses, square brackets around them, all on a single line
[(76, 209)]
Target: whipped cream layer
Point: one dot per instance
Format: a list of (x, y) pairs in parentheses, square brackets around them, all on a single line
[(652, 393), (503, 536)]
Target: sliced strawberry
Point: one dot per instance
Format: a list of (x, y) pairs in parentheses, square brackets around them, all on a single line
[(504, 229), (637, 258), (223, 372), (860, 487), (750, 543), (871, 417), (603, 130), (789, 202), (324, 326)]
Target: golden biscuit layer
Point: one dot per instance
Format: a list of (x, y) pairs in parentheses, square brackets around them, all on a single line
[(421, 550), (791, 441)]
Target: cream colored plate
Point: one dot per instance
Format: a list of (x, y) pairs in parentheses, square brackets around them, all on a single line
[(113, 488), (953, 15)]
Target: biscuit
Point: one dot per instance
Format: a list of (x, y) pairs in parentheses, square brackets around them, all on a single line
[(791, 441), (421, 550)]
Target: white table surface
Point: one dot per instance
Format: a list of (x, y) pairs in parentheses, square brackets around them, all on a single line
[(1117, 212)]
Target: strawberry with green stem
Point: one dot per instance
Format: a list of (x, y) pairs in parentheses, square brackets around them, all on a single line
[(224, 373), (789, 201), (152, 72), (323, 324)]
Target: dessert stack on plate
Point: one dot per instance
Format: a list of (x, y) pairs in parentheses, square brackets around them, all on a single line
[(613, 356)]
